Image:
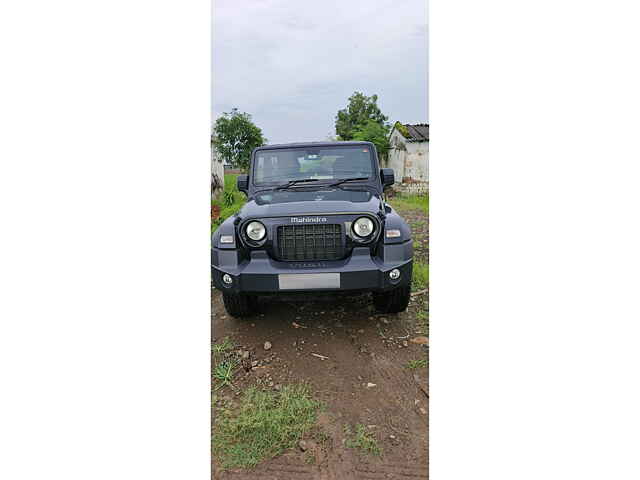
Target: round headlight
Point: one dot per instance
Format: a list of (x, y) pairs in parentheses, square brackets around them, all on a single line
[(363, 227), (256, 231)]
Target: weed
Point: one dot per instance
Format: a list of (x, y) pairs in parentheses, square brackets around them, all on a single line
[(321, 437), (229, 198), (223, 373), (421, 363), (263, 426), (422, 320), (420, 275), (224, 346), (362, 440)]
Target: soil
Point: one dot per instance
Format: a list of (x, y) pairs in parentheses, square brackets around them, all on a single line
[(364, 379)]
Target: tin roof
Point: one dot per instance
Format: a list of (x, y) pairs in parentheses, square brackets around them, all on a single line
[(418, 132)]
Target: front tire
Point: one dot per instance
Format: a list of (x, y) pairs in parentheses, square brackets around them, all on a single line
[(240, 305), (393, 301)]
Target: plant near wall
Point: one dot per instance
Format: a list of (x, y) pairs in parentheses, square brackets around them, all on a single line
[(229, 198), (359, 111), (375, 133)]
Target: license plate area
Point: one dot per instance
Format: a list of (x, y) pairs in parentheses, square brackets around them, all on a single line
[(309, 281)]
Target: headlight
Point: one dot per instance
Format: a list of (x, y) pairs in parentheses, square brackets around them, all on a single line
[(363, 227), (256, 231)]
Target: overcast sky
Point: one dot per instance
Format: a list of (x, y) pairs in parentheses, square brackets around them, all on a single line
[(293, 64)]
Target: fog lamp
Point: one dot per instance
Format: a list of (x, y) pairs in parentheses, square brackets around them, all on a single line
[(226, 278), (394, 274)]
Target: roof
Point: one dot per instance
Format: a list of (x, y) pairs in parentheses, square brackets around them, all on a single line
[(414, 133), (311, 144)]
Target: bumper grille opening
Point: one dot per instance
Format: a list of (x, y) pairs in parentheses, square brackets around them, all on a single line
[(310, 242)]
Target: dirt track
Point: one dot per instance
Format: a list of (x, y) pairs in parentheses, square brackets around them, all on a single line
[(362, 348)]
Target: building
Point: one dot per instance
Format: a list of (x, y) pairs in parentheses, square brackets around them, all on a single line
[(409, 155)]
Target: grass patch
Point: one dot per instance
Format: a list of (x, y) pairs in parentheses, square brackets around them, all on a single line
[(264, 425), (230, 201), (420, 275), (410, 202), (230, 181), (362, 440), (413, 364), (422, 321)]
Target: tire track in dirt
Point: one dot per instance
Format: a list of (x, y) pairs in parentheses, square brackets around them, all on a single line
[(390, 470)]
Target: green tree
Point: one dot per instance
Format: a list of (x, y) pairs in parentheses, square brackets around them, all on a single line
[(360, 110), (375, 133), (235, 136)]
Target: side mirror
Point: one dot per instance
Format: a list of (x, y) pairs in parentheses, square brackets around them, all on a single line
[(243, 183), (388, 177)]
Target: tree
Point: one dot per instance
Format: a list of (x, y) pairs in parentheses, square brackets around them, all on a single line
[(359, 111), (375, 133), (235, 136)]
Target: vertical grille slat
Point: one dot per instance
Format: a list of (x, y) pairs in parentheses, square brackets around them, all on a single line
[(310, 242)]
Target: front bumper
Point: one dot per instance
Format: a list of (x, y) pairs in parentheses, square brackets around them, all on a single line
[(359, 272)]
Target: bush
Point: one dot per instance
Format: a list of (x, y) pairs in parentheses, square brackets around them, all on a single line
[(231, 202)]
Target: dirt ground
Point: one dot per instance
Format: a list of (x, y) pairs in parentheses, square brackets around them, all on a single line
[(364, 379)]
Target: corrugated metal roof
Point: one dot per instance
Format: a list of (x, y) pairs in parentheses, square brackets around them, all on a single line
[(418, 132)]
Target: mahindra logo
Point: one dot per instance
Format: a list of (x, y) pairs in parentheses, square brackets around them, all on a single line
[(308, 220)]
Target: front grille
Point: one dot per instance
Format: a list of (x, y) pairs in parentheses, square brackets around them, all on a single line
[(310, 242)]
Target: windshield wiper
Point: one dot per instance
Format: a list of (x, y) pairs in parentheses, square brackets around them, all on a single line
[(345, 180), (295, 182)]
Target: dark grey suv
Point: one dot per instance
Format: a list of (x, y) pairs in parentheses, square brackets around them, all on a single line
[(315, 221)]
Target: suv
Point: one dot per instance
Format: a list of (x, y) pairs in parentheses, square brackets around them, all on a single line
[(315, 221)]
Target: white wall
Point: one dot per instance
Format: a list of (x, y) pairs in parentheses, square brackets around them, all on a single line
[(408, 159), (416, 164), (397, 155)]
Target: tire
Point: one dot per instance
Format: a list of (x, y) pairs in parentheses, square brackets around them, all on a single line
[(240, 305), (393, 301)]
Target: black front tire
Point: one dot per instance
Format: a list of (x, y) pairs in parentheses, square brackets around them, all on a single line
[(240, 305), (393, 301)]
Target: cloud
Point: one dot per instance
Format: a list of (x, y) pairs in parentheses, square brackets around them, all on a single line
[(293, 64)]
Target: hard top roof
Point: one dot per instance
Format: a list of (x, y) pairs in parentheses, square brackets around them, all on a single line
[(312, 144)]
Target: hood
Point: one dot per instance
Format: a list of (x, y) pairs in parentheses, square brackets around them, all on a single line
[(288, 202)]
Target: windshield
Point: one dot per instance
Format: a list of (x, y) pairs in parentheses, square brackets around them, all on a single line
[(279, 166)]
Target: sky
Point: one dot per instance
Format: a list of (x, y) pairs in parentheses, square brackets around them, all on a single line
[(292, 64)]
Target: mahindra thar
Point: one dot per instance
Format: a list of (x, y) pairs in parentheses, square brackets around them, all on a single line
[(316, 220)]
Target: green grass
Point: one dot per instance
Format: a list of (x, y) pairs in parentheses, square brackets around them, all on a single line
[(420, 275), (230, 181), (362, 440), (223, 373), (413, 364), (422, 321), (410, 202), (264, 425), (224, 346), (233, 205)]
